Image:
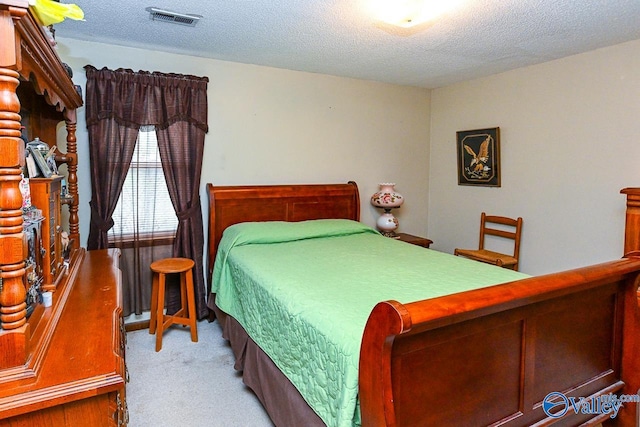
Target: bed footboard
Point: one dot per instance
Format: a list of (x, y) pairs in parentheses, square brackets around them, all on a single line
[(492, 356)]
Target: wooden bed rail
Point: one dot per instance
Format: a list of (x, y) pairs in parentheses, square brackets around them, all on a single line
[(491, 356)]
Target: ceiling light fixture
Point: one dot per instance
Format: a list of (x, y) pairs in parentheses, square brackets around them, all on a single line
[(409, 13), (156, 14)]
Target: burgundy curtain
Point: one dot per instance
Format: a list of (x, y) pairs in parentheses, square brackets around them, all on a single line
[(182, 105), (113, 123), (177, 106)]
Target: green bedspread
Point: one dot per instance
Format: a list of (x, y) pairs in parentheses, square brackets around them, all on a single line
[(303, 292)]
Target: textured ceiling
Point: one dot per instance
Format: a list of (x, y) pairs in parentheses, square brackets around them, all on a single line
[(340, 37)]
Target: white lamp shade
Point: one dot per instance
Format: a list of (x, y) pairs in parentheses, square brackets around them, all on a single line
[(387, 197)]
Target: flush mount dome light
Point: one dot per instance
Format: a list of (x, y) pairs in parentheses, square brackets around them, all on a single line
[(156, 14), (409, 13)]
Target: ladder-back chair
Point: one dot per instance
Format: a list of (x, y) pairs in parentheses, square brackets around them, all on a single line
[(509, 229)]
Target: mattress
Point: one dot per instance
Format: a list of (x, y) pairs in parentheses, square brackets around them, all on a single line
[(303, 292)]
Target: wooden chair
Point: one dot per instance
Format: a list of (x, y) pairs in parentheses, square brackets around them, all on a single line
[(510, 229)]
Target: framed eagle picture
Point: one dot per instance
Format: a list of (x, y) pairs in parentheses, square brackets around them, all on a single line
[(479, 157)]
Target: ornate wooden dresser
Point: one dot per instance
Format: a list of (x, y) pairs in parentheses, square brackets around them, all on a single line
[(62, 365)]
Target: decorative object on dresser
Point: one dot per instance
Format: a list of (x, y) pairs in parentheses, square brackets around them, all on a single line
[(41, 162), (479, 157), (63, 364), (31, 169), (45, 195), (507, 228), (51, 160), (387, 198), (37, 153), (33, 233)]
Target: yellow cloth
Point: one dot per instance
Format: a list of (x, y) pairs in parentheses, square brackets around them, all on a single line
[(50, 12)]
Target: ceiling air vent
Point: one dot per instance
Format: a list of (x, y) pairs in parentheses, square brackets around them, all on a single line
[(162, 15)]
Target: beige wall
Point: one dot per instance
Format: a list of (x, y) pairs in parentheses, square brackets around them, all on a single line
[(278, 126), (569, 143)]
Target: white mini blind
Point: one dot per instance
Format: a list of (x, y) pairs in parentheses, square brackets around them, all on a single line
[(144, 206)]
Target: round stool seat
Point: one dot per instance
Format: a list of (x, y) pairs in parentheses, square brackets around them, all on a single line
[(172, 265)]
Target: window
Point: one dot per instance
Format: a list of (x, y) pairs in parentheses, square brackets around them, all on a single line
[(144, 206)]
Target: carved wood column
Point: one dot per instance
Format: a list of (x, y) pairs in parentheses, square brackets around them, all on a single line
[(71, 159), (13, 246), (14, 337)]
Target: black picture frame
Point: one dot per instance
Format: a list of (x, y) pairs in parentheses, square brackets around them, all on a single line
[(478, 154)]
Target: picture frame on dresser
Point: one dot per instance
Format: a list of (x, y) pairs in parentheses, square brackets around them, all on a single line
[(51, 163), (40, 161), (32, 168)]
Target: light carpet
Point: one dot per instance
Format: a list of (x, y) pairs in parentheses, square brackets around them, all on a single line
[(186, 383)]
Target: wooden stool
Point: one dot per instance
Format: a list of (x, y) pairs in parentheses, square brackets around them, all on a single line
[(187, 314)]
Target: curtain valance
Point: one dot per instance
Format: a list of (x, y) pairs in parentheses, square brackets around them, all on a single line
[(139, 98)]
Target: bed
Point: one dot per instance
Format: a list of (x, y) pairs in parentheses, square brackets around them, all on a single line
[(478, 356)]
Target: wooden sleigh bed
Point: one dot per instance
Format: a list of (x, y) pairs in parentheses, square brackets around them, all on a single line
[(488, 356)]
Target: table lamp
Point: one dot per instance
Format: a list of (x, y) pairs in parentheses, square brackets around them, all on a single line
[(387, 198)]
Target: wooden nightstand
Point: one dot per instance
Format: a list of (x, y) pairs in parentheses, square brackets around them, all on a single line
[(415, 240)]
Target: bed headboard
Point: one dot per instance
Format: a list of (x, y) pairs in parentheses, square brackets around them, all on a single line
[(230, 205)]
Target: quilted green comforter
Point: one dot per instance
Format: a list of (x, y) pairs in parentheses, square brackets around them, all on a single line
[(303, 292)]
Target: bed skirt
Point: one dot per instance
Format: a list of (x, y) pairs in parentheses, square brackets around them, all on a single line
[(282, 401)]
